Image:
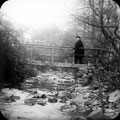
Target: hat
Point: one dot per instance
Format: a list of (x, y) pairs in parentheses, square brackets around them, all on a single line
[(77, 36)]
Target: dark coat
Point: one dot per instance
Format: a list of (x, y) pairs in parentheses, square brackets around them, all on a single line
[(77, 47)]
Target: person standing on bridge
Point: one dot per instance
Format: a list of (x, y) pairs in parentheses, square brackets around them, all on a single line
[(78, 50)]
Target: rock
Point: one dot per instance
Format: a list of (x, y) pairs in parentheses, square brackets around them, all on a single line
[(109, 110), (42, 103), (87, 112), (98, 114), (77, 80), (35, 92), (79, 118), (56, 94), (118, 106), (95, 108), (108, 114), (43, 96), (111, 105), (63, 99), (113, 117), (68, 108), (15, 97), (86, 95), (36, 96), (87, 103), (30, 102), (52, 100), (95, 103), (114, 96), (9, 100)]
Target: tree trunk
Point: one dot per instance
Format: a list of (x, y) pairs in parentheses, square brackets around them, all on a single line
[(1, 66)]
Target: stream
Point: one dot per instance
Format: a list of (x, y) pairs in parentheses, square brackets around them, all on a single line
[(49, 84), (44, 98)]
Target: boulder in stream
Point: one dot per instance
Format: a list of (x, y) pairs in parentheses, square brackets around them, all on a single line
[(52, 100)]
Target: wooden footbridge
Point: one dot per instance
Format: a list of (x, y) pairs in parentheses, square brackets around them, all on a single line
[(58, 56)]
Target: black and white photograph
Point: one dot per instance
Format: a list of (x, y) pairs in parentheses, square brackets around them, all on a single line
[(59, 60)]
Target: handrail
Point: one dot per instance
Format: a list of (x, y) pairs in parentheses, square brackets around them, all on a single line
[(53, 48), (46, 46), (64, 47)]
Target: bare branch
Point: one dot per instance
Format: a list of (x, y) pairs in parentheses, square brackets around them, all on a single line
[(97, 26), (115, 32), (92, 7)]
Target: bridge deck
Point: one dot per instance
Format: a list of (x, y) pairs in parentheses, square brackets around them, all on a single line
[(67, 65)]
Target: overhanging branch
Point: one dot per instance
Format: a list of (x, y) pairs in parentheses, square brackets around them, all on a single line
[(97, 26)]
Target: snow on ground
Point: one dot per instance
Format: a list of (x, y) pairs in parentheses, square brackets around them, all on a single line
[(18, 110)]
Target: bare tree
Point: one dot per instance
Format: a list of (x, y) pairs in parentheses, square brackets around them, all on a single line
[(102, 20)]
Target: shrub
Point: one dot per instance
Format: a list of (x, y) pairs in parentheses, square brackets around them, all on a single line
[(13, 67)]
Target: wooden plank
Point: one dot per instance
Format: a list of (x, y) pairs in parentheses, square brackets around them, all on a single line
[(69, 65)]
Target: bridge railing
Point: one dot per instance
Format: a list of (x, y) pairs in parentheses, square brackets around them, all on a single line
[(58, 54)]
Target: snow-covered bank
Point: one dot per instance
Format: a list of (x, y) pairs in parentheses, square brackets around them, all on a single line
[(19, 110)]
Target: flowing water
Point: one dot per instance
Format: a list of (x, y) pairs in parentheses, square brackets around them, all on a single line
[(46, 83)]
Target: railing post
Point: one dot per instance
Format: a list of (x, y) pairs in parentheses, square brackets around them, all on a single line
[(73, 56), (97, 57), (65, 56), (52, 55), (31, 54)]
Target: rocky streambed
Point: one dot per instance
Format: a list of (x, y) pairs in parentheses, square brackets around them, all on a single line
[(54, 95)]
